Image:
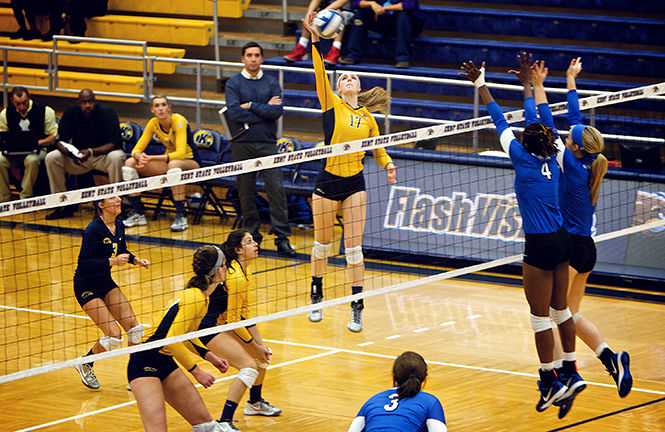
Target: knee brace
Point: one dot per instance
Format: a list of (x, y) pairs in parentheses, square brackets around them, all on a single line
[(248, 376), (577, 317), (174, 171), (110, 343), (553, 324), (354, 255), (211, 426), (560, 316), (321, 251), (135, 334), (129, 173), (540, 323)]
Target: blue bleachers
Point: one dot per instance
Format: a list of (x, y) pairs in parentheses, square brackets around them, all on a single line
[(653, 6)]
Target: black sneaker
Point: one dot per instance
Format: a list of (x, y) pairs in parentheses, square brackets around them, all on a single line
[(575, 384), (550, 394), (62, 213), (284, 249), (621, 373)]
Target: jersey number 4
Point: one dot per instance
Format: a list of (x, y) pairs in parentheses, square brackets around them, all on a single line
[(545, 171), (392, 406), (356, 120)]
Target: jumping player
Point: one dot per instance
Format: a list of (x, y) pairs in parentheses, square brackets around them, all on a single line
[(100, 297), (345, 118)]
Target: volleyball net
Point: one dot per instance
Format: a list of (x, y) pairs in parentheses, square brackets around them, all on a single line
[(446, 207)]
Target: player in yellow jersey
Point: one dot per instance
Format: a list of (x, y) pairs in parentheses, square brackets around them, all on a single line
[(154, 376), (180, 155), (345, 118)]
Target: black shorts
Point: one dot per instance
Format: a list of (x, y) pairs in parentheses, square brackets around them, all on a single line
[(150, 363), (583, 256), (547, 251), (338, 188), (86, 290)]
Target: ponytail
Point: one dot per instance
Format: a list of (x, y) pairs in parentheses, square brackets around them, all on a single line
[(593, 144), (375, 99), (409, 372), (207, 260)]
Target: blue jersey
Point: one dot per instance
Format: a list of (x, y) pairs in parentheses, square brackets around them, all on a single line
[(98, 245), (384, 412), (536, 180)]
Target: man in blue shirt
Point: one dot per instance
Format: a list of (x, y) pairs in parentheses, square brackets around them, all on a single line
[(255, 98)]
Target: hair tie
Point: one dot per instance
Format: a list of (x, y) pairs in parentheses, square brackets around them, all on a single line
[(218, 263), (577, 134)]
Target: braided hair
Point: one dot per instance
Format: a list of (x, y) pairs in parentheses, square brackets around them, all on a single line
[(409, 372), (205, 266), (538, 139)]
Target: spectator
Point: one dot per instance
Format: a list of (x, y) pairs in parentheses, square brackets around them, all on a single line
[(55, 10), (25, 10), (25, 123), (79, 10), (93, 129), (394, 18), (256, 99), (300, 51)]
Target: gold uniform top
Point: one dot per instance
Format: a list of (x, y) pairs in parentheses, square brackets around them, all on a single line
[(241, 295), (342, 122), (181, 315), (175, 139)]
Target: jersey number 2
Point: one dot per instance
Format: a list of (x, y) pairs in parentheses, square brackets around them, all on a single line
[(545, 171), (393, 403), (355, 119)]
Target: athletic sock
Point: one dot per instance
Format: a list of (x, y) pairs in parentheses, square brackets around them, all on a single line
[(356, 289), (179, 207), (569, 367), (255, 393), (137, 204), (229, 411), (91, 364), (606, 358), (317, 287), (303, 41)]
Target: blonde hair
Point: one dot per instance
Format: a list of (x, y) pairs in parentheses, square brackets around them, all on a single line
[(159, 96), (593, 143), (375, 99)]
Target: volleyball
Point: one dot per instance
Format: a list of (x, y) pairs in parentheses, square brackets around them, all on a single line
[(328, 23)]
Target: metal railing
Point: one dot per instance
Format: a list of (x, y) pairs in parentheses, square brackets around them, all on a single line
[(148, 76)]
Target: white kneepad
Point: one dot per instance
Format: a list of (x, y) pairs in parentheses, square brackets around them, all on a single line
[(174, 171), (211, 426), (110, 343), (354, 255), (135, 334), (577, 317), (560, 316), (129, 173), (540, 323), (320, 250), (248, 376)]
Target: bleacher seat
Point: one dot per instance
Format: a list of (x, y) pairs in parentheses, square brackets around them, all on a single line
[(172, 31), (618, 5), (225, 8)]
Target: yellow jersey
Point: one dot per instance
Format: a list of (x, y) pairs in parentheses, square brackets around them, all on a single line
[(174, 139)]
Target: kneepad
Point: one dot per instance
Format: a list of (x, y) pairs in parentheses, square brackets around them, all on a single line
[(174, 171), (110, 343), (577, 317), (248, 376), (354, 255), (320, 250), (560, 316), (135, 334), (540, 323), (129, 173)]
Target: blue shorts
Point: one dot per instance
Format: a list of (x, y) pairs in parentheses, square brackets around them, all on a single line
[(150, 363), (86, 289), (338, 188), (547, 251), (583, 257)]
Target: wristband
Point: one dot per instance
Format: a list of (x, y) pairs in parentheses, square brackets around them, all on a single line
[(480, 81), (168, 158)]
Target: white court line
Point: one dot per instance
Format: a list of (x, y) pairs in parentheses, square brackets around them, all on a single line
[(44, 312), (447, 323), (393, 337), (474, 316), (125, 404), (420, 330)]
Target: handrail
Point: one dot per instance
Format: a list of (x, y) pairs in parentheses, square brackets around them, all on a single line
[(148, 77)]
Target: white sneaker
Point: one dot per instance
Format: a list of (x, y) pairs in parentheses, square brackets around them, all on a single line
[(355, 320), (180, 223), (317, 314), (227, 427), (135, 219), (88, 377), (262, 407)]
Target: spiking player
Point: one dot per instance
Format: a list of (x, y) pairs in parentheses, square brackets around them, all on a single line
[(104, 247), (345, 118), (547, 244), (584, 167)]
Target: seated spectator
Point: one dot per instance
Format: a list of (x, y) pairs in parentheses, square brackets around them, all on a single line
[(300, 51), (93, 129), (25, 10), (173, 132), (30, 124), (394, 18)]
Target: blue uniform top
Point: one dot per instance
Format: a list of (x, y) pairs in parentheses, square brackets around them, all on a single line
[(98, 245), (574, 190), (384, 412), (536, 180)]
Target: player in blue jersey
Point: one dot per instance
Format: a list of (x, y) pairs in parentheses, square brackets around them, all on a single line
[(584, 167), (104, 247), (404, 407), (547, 244)]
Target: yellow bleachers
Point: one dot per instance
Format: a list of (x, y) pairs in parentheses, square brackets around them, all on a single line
[(225, 8), (77, 80), (163, 30), (92, 62)]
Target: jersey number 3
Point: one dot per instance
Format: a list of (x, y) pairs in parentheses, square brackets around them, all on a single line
[(356, 120), (545, 171), (392, 406)]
